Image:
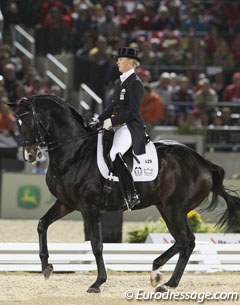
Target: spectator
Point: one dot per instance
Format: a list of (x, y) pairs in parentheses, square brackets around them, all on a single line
[(145, 75), (170, 116), (38, 86), (46, 6), (194, 118), (175, 8), (10, 79), (217, 119), (147, 56), (173, 53), (7, 121), (211, 41), (56, 90), (235, 49), (82, 24), (156, 48), (236, 27), (98, 65), (183, 94), (163, 87), (20, 91), (226, 117), (97, 13), (174, 81), (111, 75), (122, 15), (53, 34), (219, 85), (162, 20), (4, 59), (29, 77), (82, 69), (206, 97), (232, 11), (107, 25), (3, 92), (138, 20), (152, 108), (232, 91), (187, 121), (25, 67), (195, 51), (194, 22), (223, 56), (199, 77)]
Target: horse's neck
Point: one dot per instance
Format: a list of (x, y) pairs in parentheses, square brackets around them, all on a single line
[(66, 125), (67, 134), (75, 153)]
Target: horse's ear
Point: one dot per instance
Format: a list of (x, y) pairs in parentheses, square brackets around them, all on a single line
[(13, 106)]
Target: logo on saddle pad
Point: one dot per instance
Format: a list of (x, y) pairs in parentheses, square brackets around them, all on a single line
[(145, 167)]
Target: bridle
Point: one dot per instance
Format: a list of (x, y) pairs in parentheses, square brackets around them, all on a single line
[(39, 137)]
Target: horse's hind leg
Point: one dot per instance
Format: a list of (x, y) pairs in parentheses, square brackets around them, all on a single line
[(184, 245), (56, 212)]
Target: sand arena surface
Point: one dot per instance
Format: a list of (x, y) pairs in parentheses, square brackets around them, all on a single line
[(70, 288)]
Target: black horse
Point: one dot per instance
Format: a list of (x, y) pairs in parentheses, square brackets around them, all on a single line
[(184, 181)]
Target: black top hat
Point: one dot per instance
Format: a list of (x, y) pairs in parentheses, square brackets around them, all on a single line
[(128, 52)]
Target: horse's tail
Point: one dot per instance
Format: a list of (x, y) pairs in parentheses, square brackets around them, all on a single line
[(231, 217)]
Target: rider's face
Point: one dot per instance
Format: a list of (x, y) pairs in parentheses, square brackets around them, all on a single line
[(124, 64)]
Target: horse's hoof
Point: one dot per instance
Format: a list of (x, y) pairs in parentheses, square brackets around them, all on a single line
[(161, 288), (48, 271), (155, 278), (93, 290)]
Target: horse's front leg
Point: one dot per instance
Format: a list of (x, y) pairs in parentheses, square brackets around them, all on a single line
[(57, 211), (93, 225)]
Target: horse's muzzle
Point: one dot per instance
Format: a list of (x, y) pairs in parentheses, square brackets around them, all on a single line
[(32, 154)]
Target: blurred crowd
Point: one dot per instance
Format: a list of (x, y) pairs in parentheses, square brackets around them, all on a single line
[(176, 39)]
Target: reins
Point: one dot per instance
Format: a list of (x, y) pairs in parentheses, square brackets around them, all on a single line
[(60, 141)]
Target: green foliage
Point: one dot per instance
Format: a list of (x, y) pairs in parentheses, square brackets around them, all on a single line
[(139, 233), (194, 220), (209, 228), (189, 130)]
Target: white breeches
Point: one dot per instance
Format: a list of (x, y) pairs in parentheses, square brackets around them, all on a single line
[(122, 141)]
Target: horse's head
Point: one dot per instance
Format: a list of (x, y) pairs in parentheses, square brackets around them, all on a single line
[(32, 131), (47, 121)]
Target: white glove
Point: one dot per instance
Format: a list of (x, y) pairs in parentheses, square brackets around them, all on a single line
[(94, 123), (107, 124)]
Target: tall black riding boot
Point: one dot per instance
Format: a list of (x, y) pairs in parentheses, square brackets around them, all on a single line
[(126, 182)]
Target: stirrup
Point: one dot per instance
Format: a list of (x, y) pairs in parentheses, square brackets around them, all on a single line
[(131, 201)]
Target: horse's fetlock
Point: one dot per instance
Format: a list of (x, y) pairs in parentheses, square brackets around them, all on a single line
[(156, 265), (102, 279)]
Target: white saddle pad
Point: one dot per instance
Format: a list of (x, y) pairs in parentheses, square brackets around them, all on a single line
[(146, 170)]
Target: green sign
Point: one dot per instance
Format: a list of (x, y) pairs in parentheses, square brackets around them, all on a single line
[(28, 196)]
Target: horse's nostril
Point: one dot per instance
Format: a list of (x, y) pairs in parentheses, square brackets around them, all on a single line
[(31, 157)]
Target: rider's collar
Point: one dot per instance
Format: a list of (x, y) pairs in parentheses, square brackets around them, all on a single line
[(125, 75)]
